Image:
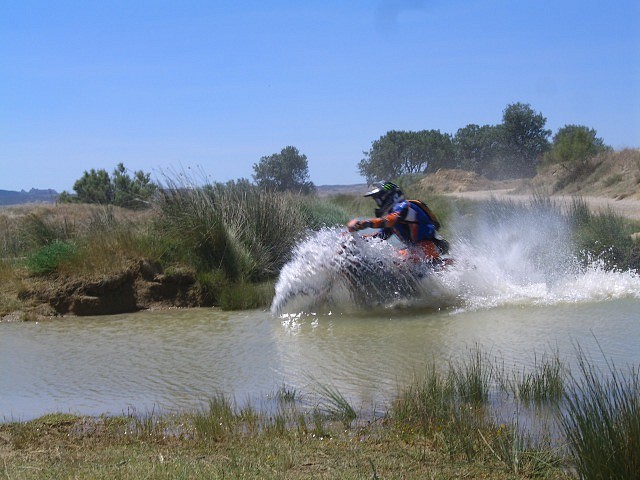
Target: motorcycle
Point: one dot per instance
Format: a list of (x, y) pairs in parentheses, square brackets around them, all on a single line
[(334, 268)]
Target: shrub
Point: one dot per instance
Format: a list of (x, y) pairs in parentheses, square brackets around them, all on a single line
[(47, 259)]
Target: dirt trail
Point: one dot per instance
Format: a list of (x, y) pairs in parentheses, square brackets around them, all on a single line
[(629, 208)]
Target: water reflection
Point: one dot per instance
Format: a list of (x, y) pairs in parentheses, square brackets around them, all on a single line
[(180, 358)]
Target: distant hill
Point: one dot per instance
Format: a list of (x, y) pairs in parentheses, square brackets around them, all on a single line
[(8, 197)]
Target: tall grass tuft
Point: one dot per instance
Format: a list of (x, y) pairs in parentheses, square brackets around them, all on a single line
[(217, 421), (545, 383), (604, 236), (336, 405), (601, 421), (319, 213), (427, 402), (471, 377), (239, 229)]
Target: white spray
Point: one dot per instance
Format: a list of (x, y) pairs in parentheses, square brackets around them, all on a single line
[(502, 256)]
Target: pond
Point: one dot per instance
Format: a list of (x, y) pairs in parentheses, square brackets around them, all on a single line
[(178, 359)]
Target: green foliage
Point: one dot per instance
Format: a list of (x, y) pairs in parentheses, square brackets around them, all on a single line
[(427, 403), (604, 236), (472, 377), (613, 179), (476, 148), (242, 230), (574, 146), (399, 152), (216, 422), (132, 192), (46, 259), (508, 150), (525, 140), (244, 296), (545, 383), (336, 405), (284, 171), (353, 205), (320, 213), (36, 231), (96, 186)]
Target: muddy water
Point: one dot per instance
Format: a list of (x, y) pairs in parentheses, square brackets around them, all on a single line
[(178, 359)]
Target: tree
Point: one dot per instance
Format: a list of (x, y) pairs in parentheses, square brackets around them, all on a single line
[(398, 153), (573, 146), (284, 171), (525, 140), (132, 192), (94, 187), (477, 146)]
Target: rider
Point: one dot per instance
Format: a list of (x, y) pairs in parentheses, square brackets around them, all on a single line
[(409, 220)]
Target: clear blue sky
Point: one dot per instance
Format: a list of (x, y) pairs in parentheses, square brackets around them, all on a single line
[(215, 85)]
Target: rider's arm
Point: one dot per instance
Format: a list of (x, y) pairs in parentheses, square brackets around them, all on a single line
[(388, 221)]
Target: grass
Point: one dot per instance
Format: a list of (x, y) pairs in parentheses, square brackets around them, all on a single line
[(601, 421), (545, 383), (471, 379), (604, 236), (336, 405)]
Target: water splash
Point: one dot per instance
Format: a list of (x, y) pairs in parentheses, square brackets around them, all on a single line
[(335, 271), (504, 256)]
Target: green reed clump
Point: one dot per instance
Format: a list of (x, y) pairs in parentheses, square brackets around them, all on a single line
[(239, 229), (319, 213), (353, 205), (427, 403), (601, 421), (36, 230), (450, 410), (432, 408), (217, 421), (520, 451), (336, 405), (191, 221), (604, 236), (544, 383), (471, 377), (244, 295)]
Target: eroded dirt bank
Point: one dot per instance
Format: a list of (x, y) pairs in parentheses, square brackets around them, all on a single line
[(144, 285)]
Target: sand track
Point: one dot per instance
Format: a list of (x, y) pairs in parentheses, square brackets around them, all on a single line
[(627, 207)]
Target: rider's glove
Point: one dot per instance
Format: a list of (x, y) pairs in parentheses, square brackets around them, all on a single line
[(354, 225)]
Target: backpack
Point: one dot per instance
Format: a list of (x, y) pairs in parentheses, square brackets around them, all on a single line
[(427, 211)]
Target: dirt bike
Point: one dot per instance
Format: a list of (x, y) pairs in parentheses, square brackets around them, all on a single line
[(337, 268)]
